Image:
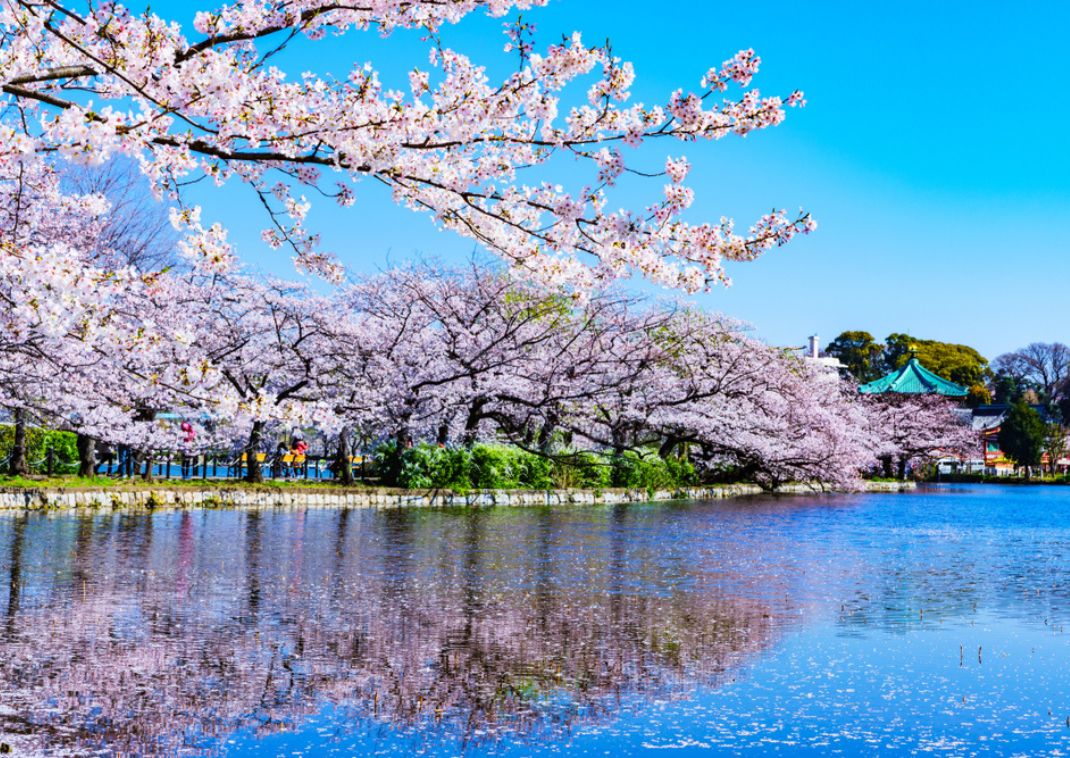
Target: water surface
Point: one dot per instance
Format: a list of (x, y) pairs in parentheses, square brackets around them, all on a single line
[(930, 622)]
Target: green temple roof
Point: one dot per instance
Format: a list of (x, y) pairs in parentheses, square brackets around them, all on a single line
[(913, 379)]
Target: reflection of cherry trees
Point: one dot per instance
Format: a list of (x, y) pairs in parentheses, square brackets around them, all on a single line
[(149, 634)]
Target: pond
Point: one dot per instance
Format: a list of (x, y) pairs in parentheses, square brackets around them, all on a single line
[(934, 621)]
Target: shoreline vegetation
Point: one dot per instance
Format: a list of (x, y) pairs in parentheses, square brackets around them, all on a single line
[(98, 493), (986, 479)]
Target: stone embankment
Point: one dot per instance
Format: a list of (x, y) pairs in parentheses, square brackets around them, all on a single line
[(187, 497)]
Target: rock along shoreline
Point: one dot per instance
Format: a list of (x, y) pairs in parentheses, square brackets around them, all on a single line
[(164, 498)]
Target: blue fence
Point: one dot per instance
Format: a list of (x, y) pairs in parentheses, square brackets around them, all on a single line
[(224, 466)]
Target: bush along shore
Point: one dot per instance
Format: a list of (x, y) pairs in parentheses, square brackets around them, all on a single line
[(487, 466), (423, 475), (177, 496), (986, 479)]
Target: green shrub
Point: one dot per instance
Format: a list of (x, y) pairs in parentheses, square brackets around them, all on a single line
[(386, 463), (426, 466), (483, 466), (537, 472), (682, 471), (649, 471), (497, 466), (583, 470), (507, 467), (38, 441)]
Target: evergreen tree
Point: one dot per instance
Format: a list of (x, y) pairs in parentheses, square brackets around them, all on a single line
[(1023, 435), (860, 353)]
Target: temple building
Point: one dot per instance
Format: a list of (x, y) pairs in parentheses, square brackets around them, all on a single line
[(913, 379)]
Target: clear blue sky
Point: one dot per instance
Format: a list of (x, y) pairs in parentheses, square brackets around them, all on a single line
[(934, 152)]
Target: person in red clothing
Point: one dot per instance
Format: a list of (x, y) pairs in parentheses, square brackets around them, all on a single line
[(300, 447)]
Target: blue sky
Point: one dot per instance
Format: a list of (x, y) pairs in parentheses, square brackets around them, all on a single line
[(934, 153)]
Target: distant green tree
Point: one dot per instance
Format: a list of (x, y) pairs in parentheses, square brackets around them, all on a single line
[(1023, 436), (1008, 388), (979, 395), (958, 363), (860, 353)]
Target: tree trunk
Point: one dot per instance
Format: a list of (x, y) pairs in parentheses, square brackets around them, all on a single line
[(148, 476), (139, 456), (471, 424), (254, 474), (19, 466), (87, 455), (546, 433), (529, 434), (902, 469), (342, 465)]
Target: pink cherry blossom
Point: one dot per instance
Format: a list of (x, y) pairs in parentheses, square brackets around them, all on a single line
[(210, 102)]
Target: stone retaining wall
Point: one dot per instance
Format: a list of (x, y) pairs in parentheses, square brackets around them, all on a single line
[(374, 498)]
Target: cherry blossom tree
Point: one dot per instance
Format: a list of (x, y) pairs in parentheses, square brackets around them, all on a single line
[(86, 81), (457, 357), (91, 343), (103, 342), (155, 362), (53, 293), (745, 408), (117, 354), (475, 342), (910, 430), (267, 346), (460, 356)]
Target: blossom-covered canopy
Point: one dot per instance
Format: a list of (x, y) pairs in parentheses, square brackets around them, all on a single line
[(913, 379)]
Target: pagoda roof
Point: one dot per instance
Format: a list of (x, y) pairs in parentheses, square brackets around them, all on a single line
[(913, 379)]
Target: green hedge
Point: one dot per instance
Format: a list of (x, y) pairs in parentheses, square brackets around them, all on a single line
[(429, 466), (649, 471), (494, 466), (1062, 479), (583, 470), (38, 441), (501, 467)]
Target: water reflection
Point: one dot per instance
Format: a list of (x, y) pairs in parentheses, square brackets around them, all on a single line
[(140, 633), (167, 633)]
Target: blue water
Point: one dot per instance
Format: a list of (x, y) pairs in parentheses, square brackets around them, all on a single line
[(933, 622)]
